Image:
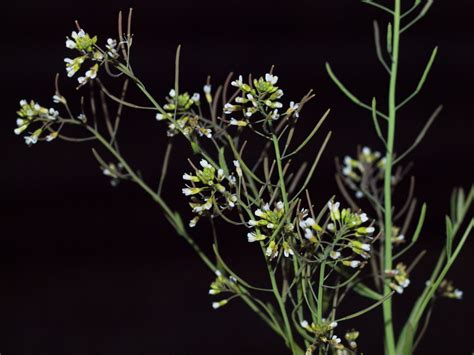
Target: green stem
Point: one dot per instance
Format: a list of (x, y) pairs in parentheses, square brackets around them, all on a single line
[(289, 334), (392, 107)]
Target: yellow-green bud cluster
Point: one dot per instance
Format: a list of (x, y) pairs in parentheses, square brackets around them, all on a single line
[(208, 190), (260, 95), (399, 278), (181, 116), (270, 225), (87, 47), (354, 239), (323, 334), (446, 289), (31, 112), (220, 285)]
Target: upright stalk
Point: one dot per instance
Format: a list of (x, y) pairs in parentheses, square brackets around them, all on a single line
[(392, 111)]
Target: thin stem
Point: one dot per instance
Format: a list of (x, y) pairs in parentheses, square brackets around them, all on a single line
[(392, 111)]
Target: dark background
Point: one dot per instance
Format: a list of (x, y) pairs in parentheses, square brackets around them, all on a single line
[(91, 269)]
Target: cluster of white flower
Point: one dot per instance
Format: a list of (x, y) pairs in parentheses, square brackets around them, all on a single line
[(87, 47), (220, 285), (208, 190), (272, 227), (368, 165), (399, 277), (261, 95), (115, 172), (323, 334), (446, 289), (180, 115), (354, 238), (31, 112)]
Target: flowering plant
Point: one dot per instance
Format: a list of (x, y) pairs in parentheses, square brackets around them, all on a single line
[(314, 254)]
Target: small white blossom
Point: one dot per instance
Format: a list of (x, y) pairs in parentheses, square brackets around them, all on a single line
[(271, 78), (204, 163), (458, 294), (172, 93), (237, 83), (219, 304), (196, 97), (238, 169), (354, 264), (240, 123)]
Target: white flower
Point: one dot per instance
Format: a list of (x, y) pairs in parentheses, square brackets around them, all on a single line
[(363, 217), (172, 93), (266, 206), (252, 100), (229, 108), (51, 136), (81, 117), (237, 83), (160, 116), (232, 180), (396, 288), (280, 205), (111, 47), (308, 222), (251, 237), (259, 213), (196, 97), (31, 139), (240, 123), (81, 80), (354, 263), (207, 89), (59, 99), (308, 233), (359, 194), (20, 129), (333, 325), (366, 151), (193, 222), (271, 78), (335, 254), (293, 108), (53, 114), (365, 246), (331, 227), (275, 115), (458, 294), (335, 339), (217, 305), (333, 207), (204, 163), (187, 191), (80, 34), (370, 230), (70, 43), (238, 169), (304, 324)]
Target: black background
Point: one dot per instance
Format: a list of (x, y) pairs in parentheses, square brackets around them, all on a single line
[(91, 269)]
